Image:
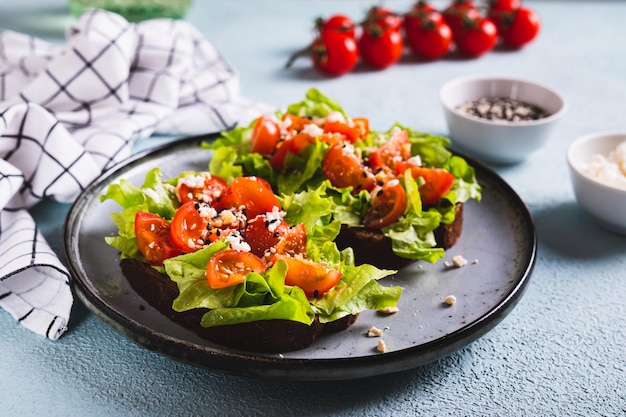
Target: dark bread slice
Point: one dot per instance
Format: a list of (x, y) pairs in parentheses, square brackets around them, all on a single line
[(372, 247), (269, 336)]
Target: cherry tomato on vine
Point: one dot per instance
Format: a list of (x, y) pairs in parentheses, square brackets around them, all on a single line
[(387, 206), (153, 238), (337, 23), (477, 37), (427, 34), (334, 53), (504, 5), (458, 13), (381, 44), (230, 267), (518, 27)]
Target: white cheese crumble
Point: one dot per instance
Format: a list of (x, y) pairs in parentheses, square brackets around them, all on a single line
[(237, 243), (609, 170), (313, 130), (335, 116), (415, 161), (374, 332), (457, 261)]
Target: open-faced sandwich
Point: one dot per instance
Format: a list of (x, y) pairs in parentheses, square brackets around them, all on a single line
[(397, 195), (238, 265)]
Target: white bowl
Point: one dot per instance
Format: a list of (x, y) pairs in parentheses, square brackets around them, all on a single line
[(499, 142), (605, 203)]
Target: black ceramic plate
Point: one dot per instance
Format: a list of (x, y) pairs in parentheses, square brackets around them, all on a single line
[(498, 240)]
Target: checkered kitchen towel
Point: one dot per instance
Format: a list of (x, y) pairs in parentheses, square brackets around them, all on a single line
[(69, 112)]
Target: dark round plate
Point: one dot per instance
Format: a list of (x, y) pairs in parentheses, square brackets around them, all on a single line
[(498, 241)]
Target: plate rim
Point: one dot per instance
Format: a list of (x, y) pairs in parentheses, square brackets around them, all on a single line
[(231, 361)]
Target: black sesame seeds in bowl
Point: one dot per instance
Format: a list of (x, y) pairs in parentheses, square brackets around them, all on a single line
[(498, 119)]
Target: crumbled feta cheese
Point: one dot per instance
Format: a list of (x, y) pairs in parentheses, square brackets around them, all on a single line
[(237, 243), (313, 130), (609, 170), (450, 300), (335, 116), (415, 161), (381, 347), (459, 261), (348, 150), (389, 310), (207, 211), (374, 332)]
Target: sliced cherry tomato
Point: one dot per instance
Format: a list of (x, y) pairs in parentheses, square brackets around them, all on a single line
[(357, 129), (294, 123), (263, 233), (277, 160), (189, 226), (293, 242), (230, 267), (255, 194), (202, 187), (518, 27), (387, 206), (153, 238), (334, 53), (344, 169), (265, 135), (337, 23), (314, 278), (427, 34), (397, 148), (437, 182), (478, 37)]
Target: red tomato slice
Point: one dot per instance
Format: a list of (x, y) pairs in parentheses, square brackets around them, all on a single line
[(153, 238), (277, 160), (352, 133), (437, 182), (387, 207), (189, 227), (202, 187), (314, 278), (396, 149), (265, 135), (293, 123), (293, 242), (255, 194), (262, 233), (229, 267), (344, 169)]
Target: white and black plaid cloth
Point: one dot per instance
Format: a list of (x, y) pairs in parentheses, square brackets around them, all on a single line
[(69, 112)]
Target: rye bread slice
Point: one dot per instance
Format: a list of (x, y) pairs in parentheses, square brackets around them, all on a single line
[(372, 247), (267, 336)]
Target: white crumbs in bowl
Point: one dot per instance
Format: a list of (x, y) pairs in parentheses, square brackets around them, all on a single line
[(609, 170)]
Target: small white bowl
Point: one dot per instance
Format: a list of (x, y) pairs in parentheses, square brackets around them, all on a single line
[(605, 203), (501, 141)]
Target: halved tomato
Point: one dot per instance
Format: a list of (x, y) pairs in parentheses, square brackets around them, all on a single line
[(230, 267), (437, 182), (293, 241), (263, 233), (265, 135), (293, 123), (255, 194), (153, 238), (202, 187), (314, 278), (397, 148), (344, 169), (189, 226), (387, 206)]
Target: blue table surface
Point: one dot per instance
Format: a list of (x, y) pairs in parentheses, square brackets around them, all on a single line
[(561, 351)]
